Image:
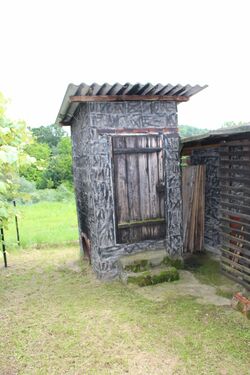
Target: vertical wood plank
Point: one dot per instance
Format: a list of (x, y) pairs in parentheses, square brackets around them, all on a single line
[(136, 177), (133, 186)]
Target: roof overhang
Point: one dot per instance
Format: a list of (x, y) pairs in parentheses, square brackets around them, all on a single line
[(83, 93), (217, 136)]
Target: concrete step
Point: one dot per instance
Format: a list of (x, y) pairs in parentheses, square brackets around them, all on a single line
[(147, 260), (142, 261), (152, 276)]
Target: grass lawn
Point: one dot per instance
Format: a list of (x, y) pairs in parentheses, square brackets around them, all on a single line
[(44, 223), (56, 318)]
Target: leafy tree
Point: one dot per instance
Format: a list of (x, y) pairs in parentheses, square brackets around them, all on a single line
[(14, 136), (189, 131), (233, 124), (51, 134), (60, 166), (35, 172)]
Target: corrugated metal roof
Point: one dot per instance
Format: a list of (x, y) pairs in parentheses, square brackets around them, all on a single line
[(68, 109), (216, 135)]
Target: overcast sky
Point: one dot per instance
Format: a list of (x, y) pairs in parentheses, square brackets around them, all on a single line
[(45, 45)]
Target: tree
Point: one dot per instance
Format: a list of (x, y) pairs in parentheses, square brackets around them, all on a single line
[(233, 124), (14, 136), (189, 131), (60, 166), (35, 172), (51, 134)]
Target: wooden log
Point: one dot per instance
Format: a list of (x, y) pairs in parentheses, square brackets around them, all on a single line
[(236, 272), (236, 265), (231, 221), (231, 229), (244, 250), (243, 209), (230, 253), (233, 238), (238, 214)]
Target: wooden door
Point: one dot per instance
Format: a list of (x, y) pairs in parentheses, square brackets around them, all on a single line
[(193, 194), (139, 188)]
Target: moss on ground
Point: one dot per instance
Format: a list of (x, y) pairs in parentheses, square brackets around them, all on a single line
[(138, 266), (177, 263), (147, 278)]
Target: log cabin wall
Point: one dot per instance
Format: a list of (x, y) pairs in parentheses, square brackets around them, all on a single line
[(92, 130), (227, 221)]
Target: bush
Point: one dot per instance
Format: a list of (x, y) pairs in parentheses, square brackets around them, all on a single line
[(29, 194)]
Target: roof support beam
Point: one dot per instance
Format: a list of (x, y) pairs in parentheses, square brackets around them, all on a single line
[(121, 98)]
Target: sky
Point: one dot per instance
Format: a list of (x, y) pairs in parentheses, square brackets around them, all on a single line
[(45, 45)]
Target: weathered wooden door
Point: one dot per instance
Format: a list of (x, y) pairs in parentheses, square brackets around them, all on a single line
[(139, 188), (193, 194)]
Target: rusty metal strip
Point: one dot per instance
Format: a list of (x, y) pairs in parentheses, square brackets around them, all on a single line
[(122, 98)]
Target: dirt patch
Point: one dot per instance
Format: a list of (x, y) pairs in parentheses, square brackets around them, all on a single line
[(187, 285), (152, 363)]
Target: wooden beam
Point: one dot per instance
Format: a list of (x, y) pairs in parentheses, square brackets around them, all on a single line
[(233, 264), (132, 131), (235, 214), (122, 98), (234, 248), (236, 271), (141, 223), (189, 149), (143, 150), (234, 254)]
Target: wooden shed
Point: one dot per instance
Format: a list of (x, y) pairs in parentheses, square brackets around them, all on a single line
[(226, 156), (126, 168)]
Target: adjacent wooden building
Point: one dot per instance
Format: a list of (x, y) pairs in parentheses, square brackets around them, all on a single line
[(226, 157), (126, 168)]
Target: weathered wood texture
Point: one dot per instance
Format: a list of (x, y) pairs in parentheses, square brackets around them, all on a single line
[(210, 158), (193, 195), (94, 180), (127, 98), (235, 209), (138, 178)]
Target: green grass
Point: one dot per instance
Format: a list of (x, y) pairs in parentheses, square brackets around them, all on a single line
[(44, 223), (55, 320)]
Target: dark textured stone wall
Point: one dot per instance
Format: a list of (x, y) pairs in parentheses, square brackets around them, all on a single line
[(210, 157), (173, 200), (92, 166)]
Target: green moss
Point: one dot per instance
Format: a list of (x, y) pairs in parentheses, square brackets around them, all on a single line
[(138, 266), (145, 279), (177, 263), (142, 280), (171, 274)]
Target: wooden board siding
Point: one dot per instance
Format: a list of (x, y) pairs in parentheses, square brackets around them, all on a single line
[(139, 190), (235, 210)]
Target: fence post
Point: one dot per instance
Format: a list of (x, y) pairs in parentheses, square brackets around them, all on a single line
[(17, 228), (4, 248)]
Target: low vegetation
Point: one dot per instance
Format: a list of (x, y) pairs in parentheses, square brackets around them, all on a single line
[(44, 223), (148, 278), (56, 318)]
